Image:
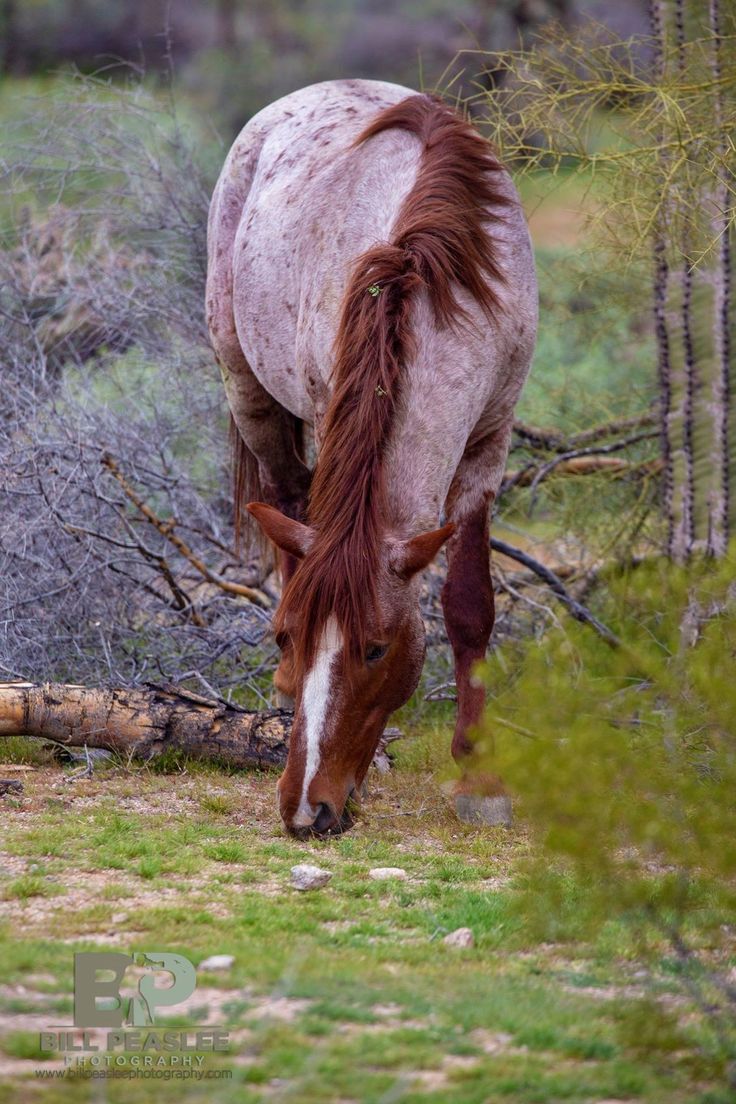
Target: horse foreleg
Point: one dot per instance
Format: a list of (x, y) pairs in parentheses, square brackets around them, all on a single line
[(468, 605), (467, 601)]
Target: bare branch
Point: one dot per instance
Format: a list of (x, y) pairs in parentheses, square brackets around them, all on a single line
[(577, 609), (166, 529)]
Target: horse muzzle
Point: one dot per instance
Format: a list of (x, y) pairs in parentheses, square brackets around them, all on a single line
[(321, 819)]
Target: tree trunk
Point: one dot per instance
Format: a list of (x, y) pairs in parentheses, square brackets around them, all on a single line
[(723, 524)]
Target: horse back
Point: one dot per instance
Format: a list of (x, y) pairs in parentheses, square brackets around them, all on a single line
[(296, 204)]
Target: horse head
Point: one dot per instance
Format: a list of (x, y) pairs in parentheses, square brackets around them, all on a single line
[(346, 676)]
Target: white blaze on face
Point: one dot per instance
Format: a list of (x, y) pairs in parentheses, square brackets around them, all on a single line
[(315, 702)]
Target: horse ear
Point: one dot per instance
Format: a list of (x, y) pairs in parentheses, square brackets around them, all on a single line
[(287, 534), (414, 555)]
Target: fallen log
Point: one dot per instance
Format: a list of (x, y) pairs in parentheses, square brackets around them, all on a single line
[(144, 722)]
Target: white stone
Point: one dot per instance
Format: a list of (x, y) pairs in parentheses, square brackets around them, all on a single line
[(474, 809), (305, 876), (217, 962), (383, 873), (461, 937)]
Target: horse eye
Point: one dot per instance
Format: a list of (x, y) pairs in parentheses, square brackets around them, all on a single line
[(375, 652), (282, 639)]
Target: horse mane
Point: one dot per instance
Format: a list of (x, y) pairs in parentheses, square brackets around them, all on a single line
[(439, 243)]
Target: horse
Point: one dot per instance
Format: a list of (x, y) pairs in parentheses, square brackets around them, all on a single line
[(370, 284)]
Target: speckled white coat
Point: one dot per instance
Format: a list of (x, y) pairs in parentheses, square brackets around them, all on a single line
[(294, 206)]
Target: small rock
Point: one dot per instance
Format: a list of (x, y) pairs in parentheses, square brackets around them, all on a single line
[(383, 873), (305, 876), (492, 1042), (474, 809), (461, 937), (217, 962), (119, 917)]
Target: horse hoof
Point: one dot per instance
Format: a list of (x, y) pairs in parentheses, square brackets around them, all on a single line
[(474, 809)]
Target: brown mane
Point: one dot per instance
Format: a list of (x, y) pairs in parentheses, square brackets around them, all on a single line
[(439, 243)]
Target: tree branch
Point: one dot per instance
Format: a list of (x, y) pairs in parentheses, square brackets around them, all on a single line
[(551, 440), (166, 529), (577, 609)]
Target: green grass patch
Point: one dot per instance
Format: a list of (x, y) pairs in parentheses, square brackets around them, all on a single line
[(29, 885)]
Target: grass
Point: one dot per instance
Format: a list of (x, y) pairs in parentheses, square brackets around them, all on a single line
[(348, 993), (29, 885)]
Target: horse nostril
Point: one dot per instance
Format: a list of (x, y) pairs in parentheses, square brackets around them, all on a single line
[(325, 819)]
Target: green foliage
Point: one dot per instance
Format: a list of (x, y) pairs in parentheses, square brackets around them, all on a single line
[(594, 355), (26, 751), (372, 1000), (592, 365), (23, 1044), (635, 747), (648, 1027), (665, 132), (227, 851), (29, 885), (218, 804), (625, 763)]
